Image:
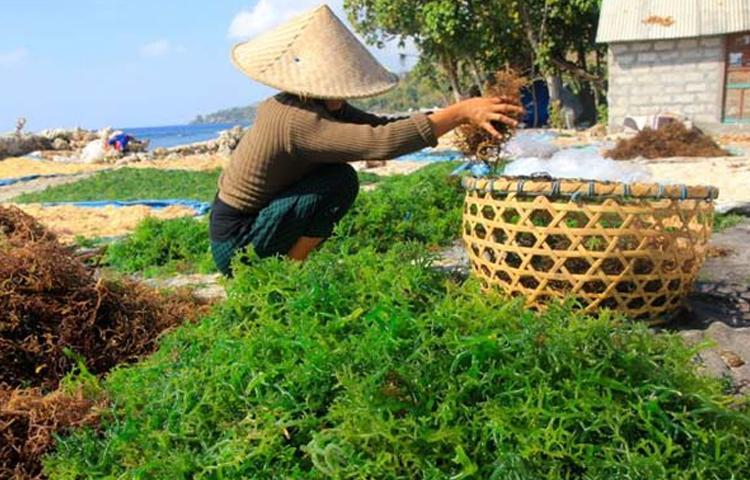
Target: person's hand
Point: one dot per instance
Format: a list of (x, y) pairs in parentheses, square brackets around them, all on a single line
[(484, 111), (479, 111)]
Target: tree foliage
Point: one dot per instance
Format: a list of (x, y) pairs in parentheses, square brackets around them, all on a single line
[(470, 39)]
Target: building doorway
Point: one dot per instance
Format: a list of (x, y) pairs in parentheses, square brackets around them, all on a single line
[(737, 90)]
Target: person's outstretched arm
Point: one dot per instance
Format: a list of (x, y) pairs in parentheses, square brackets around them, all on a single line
[(322, 140)]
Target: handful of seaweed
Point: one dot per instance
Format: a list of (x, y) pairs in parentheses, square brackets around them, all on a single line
[(473, 140)]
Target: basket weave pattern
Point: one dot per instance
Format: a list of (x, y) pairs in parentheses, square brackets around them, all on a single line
[(635, 254)]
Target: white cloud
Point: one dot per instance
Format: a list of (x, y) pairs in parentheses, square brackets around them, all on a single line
[(267, 14), (157, 48), (12, 57)]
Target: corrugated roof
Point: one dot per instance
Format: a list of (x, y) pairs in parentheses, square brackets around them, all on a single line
[(629, 20)]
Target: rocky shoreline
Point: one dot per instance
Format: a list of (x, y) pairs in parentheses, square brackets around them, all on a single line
[(69, 145)]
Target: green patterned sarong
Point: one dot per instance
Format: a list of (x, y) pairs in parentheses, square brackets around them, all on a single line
[(309, 208)]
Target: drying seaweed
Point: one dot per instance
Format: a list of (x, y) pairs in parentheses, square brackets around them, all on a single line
[(29, 420), (54, 309), (475, 141), (671, 140)]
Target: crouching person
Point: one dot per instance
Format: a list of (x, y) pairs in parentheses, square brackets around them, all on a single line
[(288, 182)]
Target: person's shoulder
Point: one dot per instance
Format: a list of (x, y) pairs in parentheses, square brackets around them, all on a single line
[(299, 107)]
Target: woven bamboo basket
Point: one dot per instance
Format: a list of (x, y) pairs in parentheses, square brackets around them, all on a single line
[(634, 248)]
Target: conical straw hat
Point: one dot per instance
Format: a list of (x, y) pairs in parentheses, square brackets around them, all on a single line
[(314, 55)]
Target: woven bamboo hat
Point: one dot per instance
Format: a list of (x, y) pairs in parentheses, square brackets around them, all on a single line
[(316, 56)]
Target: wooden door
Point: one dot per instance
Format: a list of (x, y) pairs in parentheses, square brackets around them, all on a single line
[(737, 92)]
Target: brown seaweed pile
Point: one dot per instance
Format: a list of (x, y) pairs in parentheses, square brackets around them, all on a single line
[(29, 419), (54, 314), (51, 304), (671, 140), (475, 141)]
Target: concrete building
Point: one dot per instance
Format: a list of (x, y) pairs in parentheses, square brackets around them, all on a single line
[(690, 57)]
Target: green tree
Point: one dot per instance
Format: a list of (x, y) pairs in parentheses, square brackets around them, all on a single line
[(453, 34), (470, 38)]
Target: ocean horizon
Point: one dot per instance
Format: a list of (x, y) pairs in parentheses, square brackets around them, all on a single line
[(175, 135)]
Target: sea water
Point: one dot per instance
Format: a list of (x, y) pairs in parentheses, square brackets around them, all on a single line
[(174, 135)]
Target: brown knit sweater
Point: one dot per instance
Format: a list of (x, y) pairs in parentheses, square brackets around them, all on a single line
[(292, 137)]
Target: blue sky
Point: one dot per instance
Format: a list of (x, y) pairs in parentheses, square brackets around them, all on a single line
[(133, 63)]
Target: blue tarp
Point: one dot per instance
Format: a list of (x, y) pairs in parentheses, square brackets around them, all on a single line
[(432, 155), (4, 182), (200, 208)]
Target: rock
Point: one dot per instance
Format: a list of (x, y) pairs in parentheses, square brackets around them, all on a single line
[(18, 145), (160, 152), (60, 144), (375, 163), (731, 359), (55, 133)]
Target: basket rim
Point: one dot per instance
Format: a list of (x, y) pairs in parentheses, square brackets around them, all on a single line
[(576, 189)]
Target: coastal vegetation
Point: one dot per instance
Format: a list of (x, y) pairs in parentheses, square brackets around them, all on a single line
[(235, 115), (414, 92)]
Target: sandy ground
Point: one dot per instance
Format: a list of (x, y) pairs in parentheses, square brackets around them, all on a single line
[(22, 166), (731, 175), (69, 221), (403, 167), (195, 163)]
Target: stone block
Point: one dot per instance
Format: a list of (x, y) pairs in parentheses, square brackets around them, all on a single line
[(622, 79), (687, 44), (698, 87), (619, 48), (707, 66), (621, 101), (669, 56), (711, 53), (691, 54), (706, 118), (711, 42), (694, 108), (648, 57), (684, 98), (664, 45), (650, 89), (644, 46), (707, 98), (624, 59), (691, 76)]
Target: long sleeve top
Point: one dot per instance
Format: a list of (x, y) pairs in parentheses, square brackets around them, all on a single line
[(291, 137)]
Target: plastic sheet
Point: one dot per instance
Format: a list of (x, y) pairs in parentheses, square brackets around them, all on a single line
[(531, 145), (200, 208), (584, 163)]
